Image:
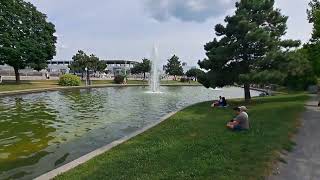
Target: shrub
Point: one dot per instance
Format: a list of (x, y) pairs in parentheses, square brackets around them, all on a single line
[(69, 80), (119, 79), (183, 79)]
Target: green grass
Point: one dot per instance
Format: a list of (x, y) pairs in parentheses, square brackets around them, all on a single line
[(26, 85), (194, 144)]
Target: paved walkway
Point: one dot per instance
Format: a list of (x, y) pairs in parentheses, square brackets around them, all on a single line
[(304, 162)]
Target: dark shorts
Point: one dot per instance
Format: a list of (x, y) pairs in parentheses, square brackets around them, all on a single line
[(238, 128)]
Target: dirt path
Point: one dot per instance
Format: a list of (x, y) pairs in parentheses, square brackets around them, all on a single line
[(304, 162)]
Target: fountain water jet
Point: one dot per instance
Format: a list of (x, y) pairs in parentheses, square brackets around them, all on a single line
[(154, 80)]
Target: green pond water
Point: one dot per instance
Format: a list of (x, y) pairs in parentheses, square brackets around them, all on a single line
[(42, 131)]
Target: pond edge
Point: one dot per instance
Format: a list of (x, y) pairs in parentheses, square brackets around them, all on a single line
[(85, 158), (31, 91)]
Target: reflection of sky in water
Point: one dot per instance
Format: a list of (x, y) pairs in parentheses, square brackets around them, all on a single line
[(41, 131)]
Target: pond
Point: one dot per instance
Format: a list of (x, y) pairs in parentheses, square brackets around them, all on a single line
[(42, 131)]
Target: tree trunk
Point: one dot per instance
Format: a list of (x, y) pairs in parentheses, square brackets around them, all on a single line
[(247, 94), (144, 76), (17, 74)]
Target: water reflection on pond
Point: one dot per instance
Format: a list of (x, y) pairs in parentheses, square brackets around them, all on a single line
[(41, 131)]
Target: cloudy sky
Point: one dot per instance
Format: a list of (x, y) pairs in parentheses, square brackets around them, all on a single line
[(127, 29)]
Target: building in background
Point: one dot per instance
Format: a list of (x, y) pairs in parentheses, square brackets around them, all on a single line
[(57, 67), (116, 67)]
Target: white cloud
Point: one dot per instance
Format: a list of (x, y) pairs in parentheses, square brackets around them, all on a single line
[(187, 10), (123, 29)]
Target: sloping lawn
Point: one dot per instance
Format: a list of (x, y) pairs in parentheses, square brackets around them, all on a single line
[(25, 85), (194, 144)]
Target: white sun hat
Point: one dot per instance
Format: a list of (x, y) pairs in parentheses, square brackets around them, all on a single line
[(243, 108)]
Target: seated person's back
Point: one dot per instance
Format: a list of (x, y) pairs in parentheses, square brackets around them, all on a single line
[(224, 102), (241, 121)]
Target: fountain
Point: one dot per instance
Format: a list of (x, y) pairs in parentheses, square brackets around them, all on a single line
[(154, 80)]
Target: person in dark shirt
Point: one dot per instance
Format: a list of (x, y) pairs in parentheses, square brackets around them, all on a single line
[(224, 102)]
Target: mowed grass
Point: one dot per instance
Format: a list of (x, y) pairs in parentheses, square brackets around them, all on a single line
[(194, 144), (25, 85), (40, 84)]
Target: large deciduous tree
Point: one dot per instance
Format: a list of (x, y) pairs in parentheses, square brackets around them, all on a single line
[(26, 38), (84, 63), (174, 67), (244, 42), (142, 68)]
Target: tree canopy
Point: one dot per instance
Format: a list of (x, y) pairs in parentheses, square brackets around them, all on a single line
[(312, 49), (81, 62), (245, 45), (194, 72), (314, 18), (142, 68), (26, 38), (174, 67)]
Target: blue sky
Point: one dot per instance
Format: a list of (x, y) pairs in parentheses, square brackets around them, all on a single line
[(127, 29)]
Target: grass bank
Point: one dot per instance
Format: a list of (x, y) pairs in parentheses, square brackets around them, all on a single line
[(27, 85), (194, 144)]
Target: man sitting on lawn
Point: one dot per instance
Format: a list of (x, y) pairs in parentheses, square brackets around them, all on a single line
[(241, 121)]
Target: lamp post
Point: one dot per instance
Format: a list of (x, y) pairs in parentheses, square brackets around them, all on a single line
[(86, 69)]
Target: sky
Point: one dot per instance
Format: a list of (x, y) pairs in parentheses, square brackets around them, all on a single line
[(128, 29)]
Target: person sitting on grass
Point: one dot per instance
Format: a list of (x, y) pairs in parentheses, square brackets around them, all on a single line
[(222, 102), (217, 103), (241, 121)]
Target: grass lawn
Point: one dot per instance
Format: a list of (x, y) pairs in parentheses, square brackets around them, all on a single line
[(25, 85), (194, 144)]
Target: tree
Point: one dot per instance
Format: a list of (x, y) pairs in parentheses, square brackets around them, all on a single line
[(290, 68), (80, 62), (247, 39), (174, 67), (314, 18), (95, 65), (143, 67), (312, 49), (194, 72), (84, 63), (299, 71), (26, 38)]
